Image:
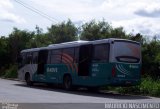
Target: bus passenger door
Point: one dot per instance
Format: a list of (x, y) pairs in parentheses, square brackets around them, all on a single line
[(42, 60), (85, 55)]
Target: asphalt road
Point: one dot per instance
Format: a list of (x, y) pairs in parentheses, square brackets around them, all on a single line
[(41, 97)]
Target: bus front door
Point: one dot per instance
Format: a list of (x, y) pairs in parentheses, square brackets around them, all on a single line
[(85, 55)]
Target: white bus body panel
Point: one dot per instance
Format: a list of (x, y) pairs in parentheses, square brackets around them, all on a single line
[(28, 68)]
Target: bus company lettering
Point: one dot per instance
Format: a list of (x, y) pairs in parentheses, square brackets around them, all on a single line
[(133, 66), (95, 68), (52, 70)]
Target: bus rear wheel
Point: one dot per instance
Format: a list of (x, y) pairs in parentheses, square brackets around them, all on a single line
[(67, 82), (28, 80)]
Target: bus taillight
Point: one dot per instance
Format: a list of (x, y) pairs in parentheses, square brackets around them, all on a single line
[(113, 71)]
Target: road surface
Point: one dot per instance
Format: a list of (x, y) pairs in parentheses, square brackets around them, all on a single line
[(17, 92)]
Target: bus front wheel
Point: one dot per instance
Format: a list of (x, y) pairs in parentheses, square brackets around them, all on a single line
[(28, 80), (67, 82)]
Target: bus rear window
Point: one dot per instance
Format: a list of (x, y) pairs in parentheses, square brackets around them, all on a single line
[(126, 51)]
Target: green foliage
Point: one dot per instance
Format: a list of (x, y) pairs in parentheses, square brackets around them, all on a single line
[(101, 30), (138, 37), (39, 39), (118, 33), (17, 41), (11, 72), (95, 30), (4, 54), (151, 58), (63, 32), (148, 86), (2, 71)]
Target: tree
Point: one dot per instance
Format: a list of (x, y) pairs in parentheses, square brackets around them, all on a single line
[(39, 39), (151, 58), (101, 30), (17, 41), (138, 37), (118, 33), (4, 51), (94, 30), (63, 32)]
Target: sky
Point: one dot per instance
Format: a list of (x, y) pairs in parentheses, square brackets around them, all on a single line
[(135, 16)]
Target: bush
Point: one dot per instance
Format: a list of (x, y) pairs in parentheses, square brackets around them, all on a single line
[(11, 72), (2, 71), (148, 86)]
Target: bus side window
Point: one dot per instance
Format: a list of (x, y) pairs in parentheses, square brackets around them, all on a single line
[(35, 57), (56, 56), (28, 58), (76, 55), (22, 60), (68, 54), (101, 53), (49, 57)]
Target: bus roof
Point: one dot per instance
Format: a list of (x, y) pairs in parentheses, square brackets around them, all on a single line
[(112, 39), (33, 49), (77, 43), (60, 45), (69, 44)]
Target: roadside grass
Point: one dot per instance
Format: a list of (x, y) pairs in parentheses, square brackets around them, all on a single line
[(148, 87)]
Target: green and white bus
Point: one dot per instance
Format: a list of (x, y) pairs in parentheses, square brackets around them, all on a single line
[(112, 62)]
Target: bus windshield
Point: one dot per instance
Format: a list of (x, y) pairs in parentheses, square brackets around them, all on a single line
[(127, 51)]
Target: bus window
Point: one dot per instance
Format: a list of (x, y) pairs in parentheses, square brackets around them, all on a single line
[(49, 57), (125, 51), (28, 58), (58, 51), (23, 55), (21, 60), (76, 55), (68, 54), (55, 56), (101, 53), (35, 57)]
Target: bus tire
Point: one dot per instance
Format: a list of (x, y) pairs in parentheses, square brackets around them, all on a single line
[(67, 82), (28, 80)]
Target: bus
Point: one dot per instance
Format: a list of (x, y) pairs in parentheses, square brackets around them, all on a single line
[(106, 62)]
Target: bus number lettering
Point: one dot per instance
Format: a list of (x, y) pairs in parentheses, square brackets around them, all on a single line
[(52, 70)]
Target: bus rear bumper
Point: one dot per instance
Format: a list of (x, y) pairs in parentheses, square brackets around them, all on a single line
[(125, 82)]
